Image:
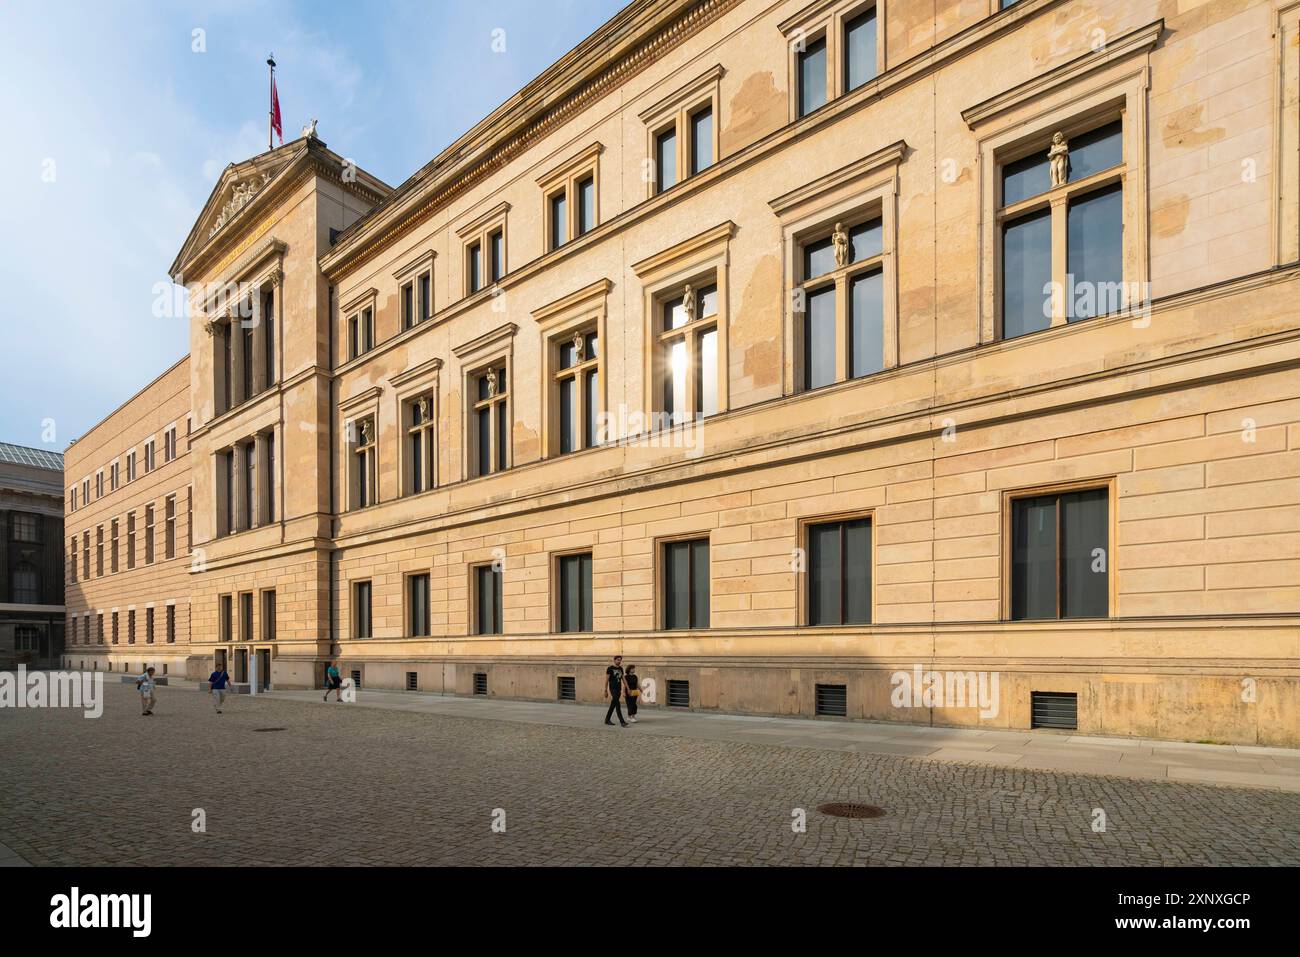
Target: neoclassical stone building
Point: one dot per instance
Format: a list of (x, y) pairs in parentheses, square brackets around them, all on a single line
[(789, 349)]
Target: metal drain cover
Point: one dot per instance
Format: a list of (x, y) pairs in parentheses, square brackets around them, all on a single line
[(848, 809), (270, 729)]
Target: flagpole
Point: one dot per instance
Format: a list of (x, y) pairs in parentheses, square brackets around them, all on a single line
[(270, 104)]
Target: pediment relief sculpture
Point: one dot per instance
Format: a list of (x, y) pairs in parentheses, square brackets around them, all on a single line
[(240, 196)]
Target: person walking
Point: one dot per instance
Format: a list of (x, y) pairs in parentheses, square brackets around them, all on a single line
[(333, 682), (145, 685), (217, 682), (633, 692), (615, 687)]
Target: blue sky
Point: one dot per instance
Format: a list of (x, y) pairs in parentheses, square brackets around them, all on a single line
[(116, 129)]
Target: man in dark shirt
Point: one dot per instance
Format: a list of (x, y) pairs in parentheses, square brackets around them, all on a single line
[(217, 686), (615, 688)]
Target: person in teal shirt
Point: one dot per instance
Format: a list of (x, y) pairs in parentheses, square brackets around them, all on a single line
[(333, 682)]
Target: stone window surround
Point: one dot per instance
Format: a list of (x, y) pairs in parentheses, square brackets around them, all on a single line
[(495, 347), (354, 608), (661, 579), (826, 19), (265, 489), (566, 178), (472, 565), (410, 274), (1056, 488), (352, 311), (1082, 93), (801, 583), (354, 410), (556, 598), (557, 322), (863, 187), (265, 268), (701, 259), (675, 110), (480, 230), (422, 380)]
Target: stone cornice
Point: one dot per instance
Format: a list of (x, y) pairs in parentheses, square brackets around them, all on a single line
[(1141, 40), (574, 300), (361, 398), (661, 260), (429, 365), (489, 339), (861, 169)]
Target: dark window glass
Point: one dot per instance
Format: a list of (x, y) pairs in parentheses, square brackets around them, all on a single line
[(419, 604), (247, 340), (568, 388), (702, 140), (361, 602), (426, 299), (417, 461), (867, 324), (268, 317), (475, 268), (666, 159), (592, 383), (488, 594), (484, 417), (586, 205), (1096, 253), (819, 338), (575, 593), (1026, 274), (498, 240), (839, 573), (1060, 556), (860, 49), (1025, 178), (503, 434), (812, 77), (1097, 150), (686, 584), (818, 258), (559, 220), (408, 306)]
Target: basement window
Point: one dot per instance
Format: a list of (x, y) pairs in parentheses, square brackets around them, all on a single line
[(832, 701), (679, 693)]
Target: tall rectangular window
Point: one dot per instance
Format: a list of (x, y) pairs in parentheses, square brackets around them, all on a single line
[(586, 205), (130, 626), (491, 422), (497, 241), (487, 600), (860, 49), (169, 444), (1060, 555), (169, 527), (171, 624), (408, 305), (812, 76), (268, 335), (248, 518), (418, 604), (246, 616), (688, 356), (148, 534), (686, 584), (474, 267), (130, 540), (85, 555), (150, 459), (419, 445), (72, 561), (701, 140), (577, 391), (839, 572), (361, 610), (225, 622), (574, 598), (148, 625), (363, 463), (99, 551), (425, 286), (112, 553), (268, 615), (666, 159), (843, 322), (559, 218)]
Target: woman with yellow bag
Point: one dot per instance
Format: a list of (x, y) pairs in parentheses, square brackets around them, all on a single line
[(633, 692)]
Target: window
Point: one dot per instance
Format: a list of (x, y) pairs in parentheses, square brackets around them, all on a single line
[(701, 145), (474, 266), (112, 477), (485, 249), (169, 444), (148, 534), (361, 333), (490, 435), (574, 597), (839, 572), (497, 264), (85, 555), (408, 305), (99, 627), (487, 600), (130, 626), (72, 561), (130, 540), (130, 466), (99, 484), (25, 584), (25, 527), (268, 337), (248, 503), (99, 551), (149, 458), (682, 131), (686, 584), (112, 547), (843, 334), (85, 491), (577, 384), (361, 627), (585, 220), (1060, 555), (268, 615), (420, 433), (559, 218), (425, 286), (115, 631), (171, 624), (363, 463), (860, 49), (417, 605), (246, 616), (225, 622), (666, 159), (1067, 189), (688, 353), (812, 60), (169, 527), (268, 478), (148, 625)]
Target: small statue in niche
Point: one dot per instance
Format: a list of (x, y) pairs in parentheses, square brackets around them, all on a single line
[(1058, 158), (688, 302), (840, 240), (365, 431), (423, 406), (578, 345), (491, 382)]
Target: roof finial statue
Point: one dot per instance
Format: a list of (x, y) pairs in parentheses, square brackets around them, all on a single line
[(309, 130)]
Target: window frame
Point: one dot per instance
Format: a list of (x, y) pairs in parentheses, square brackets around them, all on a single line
[(362, 630), (661, 546), (827, 20), (1007, 545), (499, 605), (492, 350), (564, 181), (557, 592), (479, 234), (674, 112), (413, 277), (806, 524), (580, 312)]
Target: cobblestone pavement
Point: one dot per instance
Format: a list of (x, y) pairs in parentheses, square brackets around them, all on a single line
[(339, 784)]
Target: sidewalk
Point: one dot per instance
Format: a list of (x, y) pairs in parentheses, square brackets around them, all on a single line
[(1238, 766)]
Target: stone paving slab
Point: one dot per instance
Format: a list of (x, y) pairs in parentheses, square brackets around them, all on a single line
[(1205, 763), (378, 785)]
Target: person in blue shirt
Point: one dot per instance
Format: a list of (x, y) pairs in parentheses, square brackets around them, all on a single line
[(333, 682), (217, 682)]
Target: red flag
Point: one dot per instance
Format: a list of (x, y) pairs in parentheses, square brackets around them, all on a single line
[(275, 111)]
